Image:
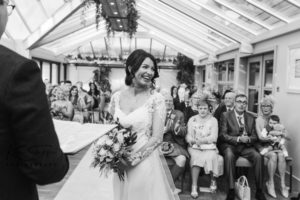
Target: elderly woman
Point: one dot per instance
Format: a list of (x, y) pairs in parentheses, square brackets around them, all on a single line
[(201, 138), (274, 158), (61, 108)]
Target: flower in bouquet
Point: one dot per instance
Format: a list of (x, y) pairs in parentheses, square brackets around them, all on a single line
[(112, 148)]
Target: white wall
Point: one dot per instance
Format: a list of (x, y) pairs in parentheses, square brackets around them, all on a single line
[(287, 104), (80, 73), (167, 78)]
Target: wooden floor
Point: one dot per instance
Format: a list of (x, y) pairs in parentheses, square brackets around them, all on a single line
[(49, 192)]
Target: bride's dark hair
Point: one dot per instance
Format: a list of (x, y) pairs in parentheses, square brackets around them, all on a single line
[(134, 62)]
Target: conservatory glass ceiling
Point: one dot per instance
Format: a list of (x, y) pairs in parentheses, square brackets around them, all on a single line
[(196, 28)]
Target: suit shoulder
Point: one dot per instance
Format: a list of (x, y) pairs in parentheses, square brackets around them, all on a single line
[(7, 55), (251, 115)]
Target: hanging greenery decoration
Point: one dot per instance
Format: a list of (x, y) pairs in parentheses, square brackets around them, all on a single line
[(131, 15), (186, 69)]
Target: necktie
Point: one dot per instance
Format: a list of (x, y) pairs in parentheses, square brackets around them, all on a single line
[(241, 124), (240, 121)]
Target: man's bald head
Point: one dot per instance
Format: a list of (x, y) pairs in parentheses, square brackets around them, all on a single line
[(229, 99)]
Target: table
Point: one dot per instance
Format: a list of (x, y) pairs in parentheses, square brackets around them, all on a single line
[(74, 136)]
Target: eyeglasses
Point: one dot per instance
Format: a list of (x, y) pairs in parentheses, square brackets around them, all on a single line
[(266, 106), (242, 102), (10, 7)]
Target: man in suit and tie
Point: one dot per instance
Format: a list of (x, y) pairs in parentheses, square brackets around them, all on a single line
[(237, 138), (29, 149), (174, 133)]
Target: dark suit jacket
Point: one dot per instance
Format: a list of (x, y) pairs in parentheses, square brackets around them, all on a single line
[(170, 135), (219, 111), (188, 113), (230, 130), (29, 148)]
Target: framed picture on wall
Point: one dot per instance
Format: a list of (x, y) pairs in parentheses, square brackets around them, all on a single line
[(293, 69)]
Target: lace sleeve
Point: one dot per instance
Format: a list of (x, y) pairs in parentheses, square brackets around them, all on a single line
[(112, 104), (158, 119)]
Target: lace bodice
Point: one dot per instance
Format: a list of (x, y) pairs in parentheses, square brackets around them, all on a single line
[(142, 121)]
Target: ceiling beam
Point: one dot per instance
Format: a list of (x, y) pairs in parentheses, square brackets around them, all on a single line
[(269, 10), (219, 13), (93, 51), (294, 2), (22, 17), (43, 8), (8, 35), (64, 34), (72, 38), (205, 20), (244, 14), (174, 43), (173, 31), (79, 42), (52, 23), (165, 15), (282, 30)]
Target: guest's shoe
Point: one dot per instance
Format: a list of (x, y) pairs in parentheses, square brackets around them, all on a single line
[(260, 195), (213, 186), (230, 195), (194, 192), (271, 190), (285, 192)]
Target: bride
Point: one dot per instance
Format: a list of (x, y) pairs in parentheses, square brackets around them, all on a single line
[(142, 109)]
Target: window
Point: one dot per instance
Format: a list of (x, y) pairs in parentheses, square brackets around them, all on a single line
[(225, 71), (260, 80)]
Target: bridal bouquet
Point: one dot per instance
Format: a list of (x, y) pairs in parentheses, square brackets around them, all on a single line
[(113, 147)]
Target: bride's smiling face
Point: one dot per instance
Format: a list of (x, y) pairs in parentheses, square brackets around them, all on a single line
[(145, 73)]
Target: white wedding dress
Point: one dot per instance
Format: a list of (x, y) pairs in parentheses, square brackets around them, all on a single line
[(150, 178)]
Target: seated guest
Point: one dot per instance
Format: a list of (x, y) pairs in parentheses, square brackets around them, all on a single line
[(174, 134), (216, 99), (95, 94), (237, 138), (202, 137), (274, 159), (61, 108), (85, 101), (174, 94), (225, 106), (277, 134), (190, 108), (73, 98)]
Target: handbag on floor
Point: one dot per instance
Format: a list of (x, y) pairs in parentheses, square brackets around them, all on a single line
[(242, 189)]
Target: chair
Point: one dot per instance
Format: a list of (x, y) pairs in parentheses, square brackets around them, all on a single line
[(244, 163)]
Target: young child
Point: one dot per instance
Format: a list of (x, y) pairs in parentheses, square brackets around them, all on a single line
[(277, 132)]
